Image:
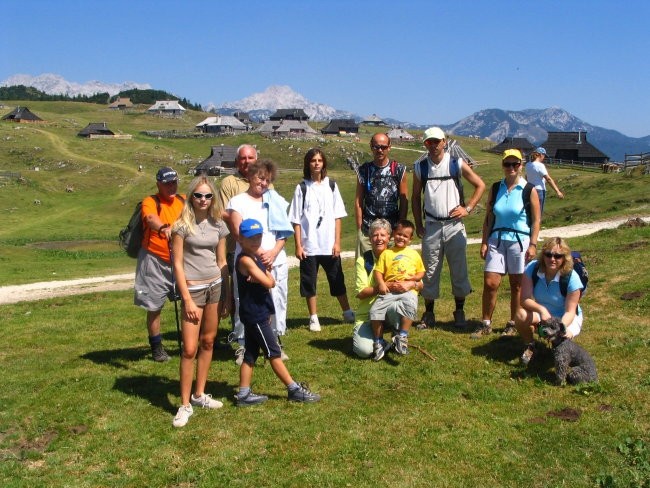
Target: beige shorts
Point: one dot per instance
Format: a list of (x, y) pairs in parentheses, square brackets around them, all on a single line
[(203, 295)]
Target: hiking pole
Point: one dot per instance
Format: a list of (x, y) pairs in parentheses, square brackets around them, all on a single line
[(174, 298)]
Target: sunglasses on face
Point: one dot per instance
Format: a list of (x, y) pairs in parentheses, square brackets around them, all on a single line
[(434, 142), (378, 147), (198, 196), (553, 255), (511, 165)]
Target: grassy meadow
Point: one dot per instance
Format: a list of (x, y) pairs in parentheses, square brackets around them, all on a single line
[(82, 404)]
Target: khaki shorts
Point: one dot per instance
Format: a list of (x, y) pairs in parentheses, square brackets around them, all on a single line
[(203, 295)]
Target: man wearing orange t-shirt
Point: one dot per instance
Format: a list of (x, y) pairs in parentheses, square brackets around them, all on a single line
[(153, 273)]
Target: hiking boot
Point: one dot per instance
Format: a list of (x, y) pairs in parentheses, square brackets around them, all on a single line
[(349, 317), (302, 394), (459, 319), (250, 399), (428, 321), (401, 344), (314, 324), (379, 349), (159, 354), (205, 401), (528, 354), (510, 329), (482, 330), (182, 416), (239, 355)]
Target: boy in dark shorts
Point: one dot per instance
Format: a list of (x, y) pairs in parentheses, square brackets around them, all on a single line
[(255, 309)]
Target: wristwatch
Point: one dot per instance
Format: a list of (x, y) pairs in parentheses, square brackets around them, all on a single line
[(469, 209)]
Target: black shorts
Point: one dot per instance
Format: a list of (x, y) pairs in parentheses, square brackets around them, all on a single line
[(260, 336), (309, 275)]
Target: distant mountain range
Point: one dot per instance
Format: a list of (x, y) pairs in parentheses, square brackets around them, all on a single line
[(492, 124), (57, 85), (533, 124)]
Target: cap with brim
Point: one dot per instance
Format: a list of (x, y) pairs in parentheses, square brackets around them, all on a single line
[(166, 174), (512, 153), (433, 133), (250, 228), (541, 150)]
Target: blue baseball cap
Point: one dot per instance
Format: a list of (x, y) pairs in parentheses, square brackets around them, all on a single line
[(166, 174), (250, 228), (541, 150)]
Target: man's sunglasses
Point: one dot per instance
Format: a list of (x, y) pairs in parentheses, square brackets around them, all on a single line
[(198, 196), (378, 147)]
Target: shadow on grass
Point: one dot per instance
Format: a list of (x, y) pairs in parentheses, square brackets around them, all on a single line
[(152, 388), (508, 349), (503, 349), (119, 358), (340, 344), (157, 390)]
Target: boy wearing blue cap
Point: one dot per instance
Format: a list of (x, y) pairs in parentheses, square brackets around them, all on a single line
[(255, 309)]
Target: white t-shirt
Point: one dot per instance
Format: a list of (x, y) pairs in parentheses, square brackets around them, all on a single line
[(440, 196), (535, 173), (317, 220), (249, 208)]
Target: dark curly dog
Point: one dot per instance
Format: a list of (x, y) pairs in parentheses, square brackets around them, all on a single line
[(572, 362)]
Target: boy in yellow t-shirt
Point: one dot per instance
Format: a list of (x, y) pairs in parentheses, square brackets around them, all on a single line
[(397, 264)]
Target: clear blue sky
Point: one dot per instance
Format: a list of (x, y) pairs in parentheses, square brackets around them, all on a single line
[(418, 61)]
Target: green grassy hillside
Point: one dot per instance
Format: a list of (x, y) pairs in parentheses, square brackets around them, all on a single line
[(104, 175)]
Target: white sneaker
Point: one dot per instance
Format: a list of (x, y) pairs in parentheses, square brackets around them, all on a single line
[(182, 416), (349, 317), (314, 324), (205, 401), (239, 355)]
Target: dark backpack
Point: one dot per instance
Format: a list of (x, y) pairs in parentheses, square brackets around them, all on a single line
[(368, 261), (303, 190), (378, 201), (578, 266), (131, 236), (454, 174)]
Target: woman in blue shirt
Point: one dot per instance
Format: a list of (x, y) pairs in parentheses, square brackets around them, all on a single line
[(544, 299), (510, 231)]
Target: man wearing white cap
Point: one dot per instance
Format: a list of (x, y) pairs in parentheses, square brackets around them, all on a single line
[(439, 222)]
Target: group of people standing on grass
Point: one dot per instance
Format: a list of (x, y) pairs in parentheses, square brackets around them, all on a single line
[(223, 251)]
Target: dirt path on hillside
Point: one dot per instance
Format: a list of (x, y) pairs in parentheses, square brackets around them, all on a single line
[(53, 289)]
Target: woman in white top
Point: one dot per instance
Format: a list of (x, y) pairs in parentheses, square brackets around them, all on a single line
[(200, 269), (537, 175), (315, 213)]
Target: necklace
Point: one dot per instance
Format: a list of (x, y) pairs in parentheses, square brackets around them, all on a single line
[(202, 227)]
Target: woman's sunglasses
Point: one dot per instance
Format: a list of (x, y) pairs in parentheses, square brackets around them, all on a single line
[(511, 165), (553, 255), (198, 196)]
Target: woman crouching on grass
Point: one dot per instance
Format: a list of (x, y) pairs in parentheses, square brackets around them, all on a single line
[(201, 273), (542, 297)]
